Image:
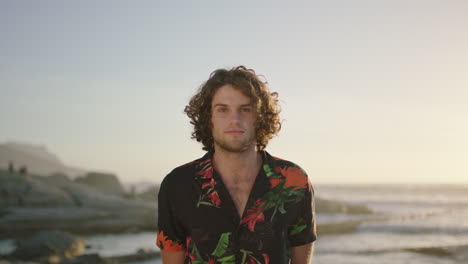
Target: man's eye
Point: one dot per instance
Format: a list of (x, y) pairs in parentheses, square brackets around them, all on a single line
[(222, 109), (246, 110)]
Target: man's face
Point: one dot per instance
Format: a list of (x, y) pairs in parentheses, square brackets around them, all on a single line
[(233, 120)]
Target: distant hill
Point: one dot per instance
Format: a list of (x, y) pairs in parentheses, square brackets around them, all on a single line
[(36, 158)]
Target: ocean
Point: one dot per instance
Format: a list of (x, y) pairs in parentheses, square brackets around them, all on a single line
[(429, 219), (410, 224)]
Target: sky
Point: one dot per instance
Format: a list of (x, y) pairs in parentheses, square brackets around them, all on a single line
[(370, 91)]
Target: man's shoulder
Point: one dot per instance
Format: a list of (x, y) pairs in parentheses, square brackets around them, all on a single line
[(284, 163), (296, 177), (184, 172)]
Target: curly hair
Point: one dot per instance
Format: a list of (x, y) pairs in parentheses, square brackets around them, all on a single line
[(267, 123)]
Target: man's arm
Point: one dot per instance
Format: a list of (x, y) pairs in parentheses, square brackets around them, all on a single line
[(169, 257), (302, 254)]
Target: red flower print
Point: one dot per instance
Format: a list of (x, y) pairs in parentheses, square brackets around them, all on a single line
[(207, 173), (252, 260), (294, 177), (266, 258), (168, 245), (275, 182), (191, 256), (205, 161), (187, 241), (214, 198), (254, 215), (211, 183), (211, 261)]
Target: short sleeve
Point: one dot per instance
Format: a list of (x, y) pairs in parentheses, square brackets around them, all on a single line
[(302, 229), (171, 235)]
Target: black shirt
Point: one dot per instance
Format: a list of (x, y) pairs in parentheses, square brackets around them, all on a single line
[(196, 214)]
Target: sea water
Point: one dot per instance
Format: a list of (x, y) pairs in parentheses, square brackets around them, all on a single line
[(405, 217)]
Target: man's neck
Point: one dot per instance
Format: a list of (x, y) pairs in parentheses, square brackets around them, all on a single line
[(237, 167)]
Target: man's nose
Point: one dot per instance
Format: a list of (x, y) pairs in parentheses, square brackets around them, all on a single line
[(235, 116)]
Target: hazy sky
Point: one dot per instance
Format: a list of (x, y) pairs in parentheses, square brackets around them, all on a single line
[(371, 91)]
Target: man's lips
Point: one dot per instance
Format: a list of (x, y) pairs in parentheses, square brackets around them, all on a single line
[(234, 131)]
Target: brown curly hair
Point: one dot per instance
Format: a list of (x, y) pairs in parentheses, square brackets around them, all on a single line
[(267, 123)]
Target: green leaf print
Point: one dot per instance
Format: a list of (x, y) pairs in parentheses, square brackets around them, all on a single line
[(196, 252), (268, 171), (297, 229), (199, 262), (206, 166), (255, 259), (205, 203), (227, 259), (223, 244), (245, 253)]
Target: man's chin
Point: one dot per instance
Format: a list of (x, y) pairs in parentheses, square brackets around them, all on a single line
[(231, 148)]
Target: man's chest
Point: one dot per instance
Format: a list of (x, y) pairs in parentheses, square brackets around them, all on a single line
[(239, 194)]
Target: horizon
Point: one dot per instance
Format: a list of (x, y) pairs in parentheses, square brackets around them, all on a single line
[(127, 183), (370, 91)]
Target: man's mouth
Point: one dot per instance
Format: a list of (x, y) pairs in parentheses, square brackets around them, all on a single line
[(234, 131)]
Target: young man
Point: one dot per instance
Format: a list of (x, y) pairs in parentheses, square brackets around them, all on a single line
[(236, 204)]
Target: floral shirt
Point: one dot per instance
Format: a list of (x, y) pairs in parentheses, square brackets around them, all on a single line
[(197, 215)]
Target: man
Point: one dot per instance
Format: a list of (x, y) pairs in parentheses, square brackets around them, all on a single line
[(236, 204)]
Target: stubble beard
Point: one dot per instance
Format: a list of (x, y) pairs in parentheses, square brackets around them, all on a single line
[(238, 147)]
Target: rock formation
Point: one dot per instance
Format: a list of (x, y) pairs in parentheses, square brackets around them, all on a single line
[(107, 183), (46, 244), (32, 203)]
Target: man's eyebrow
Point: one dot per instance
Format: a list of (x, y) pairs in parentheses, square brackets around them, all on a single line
[(243, 105)]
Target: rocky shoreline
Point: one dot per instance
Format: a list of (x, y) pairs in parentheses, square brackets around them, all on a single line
[(56, 247), (33, 203)]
